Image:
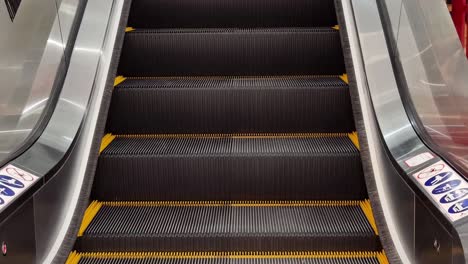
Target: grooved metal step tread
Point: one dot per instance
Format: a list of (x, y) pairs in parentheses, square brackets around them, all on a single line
[(229, 258), (231, 52), (230, 226), (230, 82), (253, 31), (212, 144), (231, 105), (230, 167), (227, 13)]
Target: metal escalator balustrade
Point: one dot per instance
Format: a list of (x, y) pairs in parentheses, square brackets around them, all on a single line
[(231, 139)]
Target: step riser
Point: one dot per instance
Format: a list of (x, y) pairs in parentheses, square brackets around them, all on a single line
[(237, 53), (246, 177), (231, 243), (226, 13), (226, 110)]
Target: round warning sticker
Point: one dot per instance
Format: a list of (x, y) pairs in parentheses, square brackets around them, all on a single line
[(6, 191), (446, 187), (459, 207), (439, 178), (431, 171), (454, 196), (10, 181)]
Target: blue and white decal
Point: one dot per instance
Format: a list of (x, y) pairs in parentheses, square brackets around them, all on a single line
[(10, 181), (439, 178), (5, 191), (446, 187), (459, 207), (13, 182), (454, 196)]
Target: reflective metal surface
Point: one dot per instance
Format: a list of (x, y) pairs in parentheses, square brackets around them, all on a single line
[(386, 181), (41, 69), (387, 126), (436, 76), (95, 43), (70, 130), (76, 92), (31, 58)]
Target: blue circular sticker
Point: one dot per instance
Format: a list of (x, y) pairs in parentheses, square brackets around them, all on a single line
[(446, 187), (12, 182), (459, 207), (439, 178), (454, 196), (6, 191)]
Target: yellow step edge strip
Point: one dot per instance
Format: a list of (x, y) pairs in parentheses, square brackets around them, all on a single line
[(263, 135), (354, 138), (367, 209), (231, 203), (118, 80), (89, 214), (129, 29), (106, 140), (344, 78), (73, 258), (382, 257), (233, 255), (337, 27)]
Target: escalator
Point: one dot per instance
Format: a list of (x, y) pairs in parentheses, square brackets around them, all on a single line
[(230, 138)]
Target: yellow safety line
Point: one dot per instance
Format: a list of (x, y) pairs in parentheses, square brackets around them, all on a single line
[(89, 214), (382, 257), (232, 203), (344, 77), (106, 140), (129, 29), (354, 138), (233, 255), (118, 80), (263, 135), (367, 209), (337, 27), (73, 258)]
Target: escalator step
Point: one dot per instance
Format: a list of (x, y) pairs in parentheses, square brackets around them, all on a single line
[(226, 13), (230, 167), (236, 226), (232, 52), (230, 258), (231, 105)]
